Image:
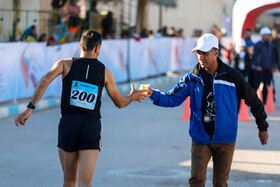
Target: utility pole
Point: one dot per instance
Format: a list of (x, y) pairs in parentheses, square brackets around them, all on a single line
[(160, 16), (128, 40), (89, 14), (16, 6), (142, 22)]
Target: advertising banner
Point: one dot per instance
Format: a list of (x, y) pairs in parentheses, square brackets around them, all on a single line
[(24, 64), (113, 55), (31, 63), (10, 57)]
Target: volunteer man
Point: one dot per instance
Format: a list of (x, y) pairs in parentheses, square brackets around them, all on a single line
[(214, 88)]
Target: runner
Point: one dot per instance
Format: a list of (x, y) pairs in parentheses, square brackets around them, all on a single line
[(79, 133)]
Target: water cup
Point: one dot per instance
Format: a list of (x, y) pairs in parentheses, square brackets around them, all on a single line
[(144, 87)]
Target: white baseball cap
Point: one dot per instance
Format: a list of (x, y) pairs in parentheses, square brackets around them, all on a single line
[(206, 42), (265, 30)]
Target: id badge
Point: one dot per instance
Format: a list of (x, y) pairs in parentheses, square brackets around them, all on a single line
[(83, 95), (206, 118)]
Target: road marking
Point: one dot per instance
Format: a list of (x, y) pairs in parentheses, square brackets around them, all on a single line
[(254, 161), (158, 174), (271, 118)]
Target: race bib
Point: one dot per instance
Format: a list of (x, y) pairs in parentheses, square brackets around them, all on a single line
[(83, 95)]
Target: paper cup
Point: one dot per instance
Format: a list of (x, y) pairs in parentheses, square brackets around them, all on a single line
[(144, 87)]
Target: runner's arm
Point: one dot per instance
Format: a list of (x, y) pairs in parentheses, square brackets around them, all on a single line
[(119, 100), (43, 84)]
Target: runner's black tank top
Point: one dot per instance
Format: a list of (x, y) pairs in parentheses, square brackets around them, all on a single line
[(82, 87)]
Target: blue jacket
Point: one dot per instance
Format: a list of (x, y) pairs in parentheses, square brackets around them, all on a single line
[(228, 86), (264, 55)]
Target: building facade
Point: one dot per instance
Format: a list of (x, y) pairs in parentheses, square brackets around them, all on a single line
[(189, 15)]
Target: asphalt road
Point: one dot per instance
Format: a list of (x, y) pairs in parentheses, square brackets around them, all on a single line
[(143, 146)]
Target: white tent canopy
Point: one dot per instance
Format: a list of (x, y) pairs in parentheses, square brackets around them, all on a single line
[(246, 12)]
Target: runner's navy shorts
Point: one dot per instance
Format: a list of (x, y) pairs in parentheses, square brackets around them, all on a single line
[(79, 132)]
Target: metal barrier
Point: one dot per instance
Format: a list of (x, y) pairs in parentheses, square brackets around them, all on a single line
[(14, 22)]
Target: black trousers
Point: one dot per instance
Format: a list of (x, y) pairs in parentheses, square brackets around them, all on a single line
[(264, 76)]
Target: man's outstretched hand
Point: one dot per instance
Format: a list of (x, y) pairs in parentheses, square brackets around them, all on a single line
[(263, 135), (150, 92)]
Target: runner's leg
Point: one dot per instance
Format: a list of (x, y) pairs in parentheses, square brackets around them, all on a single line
[(69, 164), (87, 163)]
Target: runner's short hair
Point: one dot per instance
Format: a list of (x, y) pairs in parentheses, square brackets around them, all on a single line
[(90, 39)]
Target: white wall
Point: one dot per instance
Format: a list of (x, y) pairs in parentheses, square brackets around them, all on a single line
[(29, 20), (189, 15), (7, 19), (24, 21), (116, 8), (265, 20)]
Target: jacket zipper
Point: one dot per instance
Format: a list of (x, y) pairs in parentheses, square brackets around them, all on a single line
[(215, 74), (202, 93)]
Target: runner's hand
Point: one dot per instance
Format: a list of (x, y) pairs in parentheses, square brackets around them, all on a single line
[(263, 135), (22, 118), (137, 95)]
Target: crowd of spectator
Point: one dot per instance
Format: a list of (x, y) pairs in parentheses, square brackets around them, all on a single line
[(256, 61), (71, 28), (68, 26), (146, 33), (59, 35)]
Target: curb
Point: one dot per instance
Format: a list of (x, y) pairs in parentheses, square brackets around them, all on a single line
[(14, 109)]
